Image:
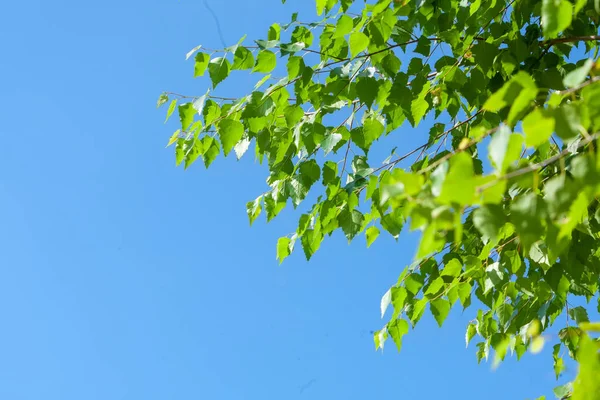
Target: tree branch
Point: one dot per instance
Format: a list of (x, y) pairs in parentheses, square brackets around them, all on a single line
[(570, 39), (540, 165), (576, 88), (423, 146)]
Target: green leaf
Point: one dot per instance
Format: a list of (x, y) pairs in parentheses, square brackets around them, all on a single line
[(358, 42), (211, 150), (521, 85), (559, 365), (291, 48), (435, 287), (198, 104), (301, 34), (295, 66), (564, 391), (393, 222), (587, 385), (397, 329), (511, 260), (385, 301), (579, 4), (416, 311), (568, 122), (538, 127), (162, 99), (174, 137), (200, 64), (274, 32), (521, 104), (311, 241), (330, 142), (241, 147), (242, 59), (537, 344), (321, 6), (309, 173), (452, 268), (483, 351), (488, 220), (440, 309), (350, 222), (419, 107), (390, 64), (413, 283), (431, 242), (527, 213), (372, 129), (456, 78), (590, 326), (230, 132), (504, 312), (211, 112), (556, 17), (283, 248), (578, 75), (366, 89), (265, 62), (459, 185), (171, 109), (423, 46), (180, 149), (379, 338), (343, 26), (471, 331), (267, 44), (192, 51), (372, 233), (504, 149), (253, 209), (494, 277), (579, 314), (186, 115), (464, 294), (399, 296), (218, 69)]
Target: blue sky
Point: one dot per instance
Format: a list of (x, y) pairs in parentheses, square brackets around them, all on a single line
[(123, 277)]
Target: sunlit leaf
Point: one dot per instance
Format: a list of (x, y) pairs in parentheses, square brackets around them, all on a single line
[(230, 132), (218, 69)]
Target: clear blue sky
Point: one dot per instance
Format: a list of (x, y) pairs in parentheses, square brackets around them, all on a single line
[(123, 277)]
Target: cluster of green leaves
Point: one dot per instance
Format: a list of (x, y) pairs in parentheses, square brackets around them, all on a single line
[(504, 187), (586, 385)]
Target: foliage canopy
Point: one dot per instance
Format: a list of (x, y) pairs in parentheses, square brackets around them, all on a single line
[(503, 188)]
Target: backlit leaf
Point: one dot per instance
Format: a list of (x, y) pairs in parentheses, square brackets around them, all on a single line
[(201, 63), (556, 17), (372, 233), (538, 127), (283, 248), (358, 42), (440, 309), (218, 69), (397, 329), (242, 59), (265, 62), (230, 132)]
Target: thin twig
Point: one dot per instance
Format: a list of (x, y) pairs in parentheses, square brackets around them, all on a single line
[(410, 153), (570, 39), (460, 150), (576, 88), (539, 165)]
